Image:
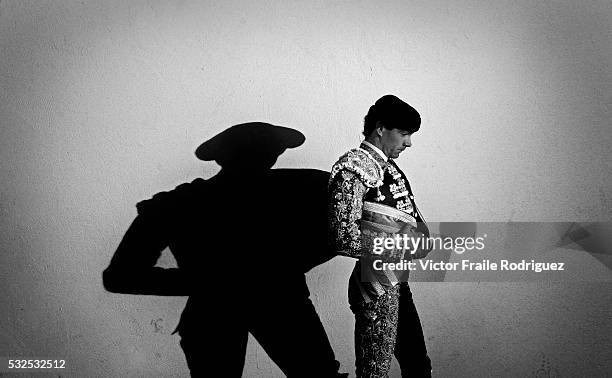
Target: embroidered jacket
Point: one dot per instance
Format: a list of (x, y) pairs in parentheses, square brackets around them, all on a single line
[(361, 175)]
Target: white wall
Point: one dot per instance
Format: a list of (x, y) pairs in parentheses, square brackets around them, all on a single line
[(102, 104)]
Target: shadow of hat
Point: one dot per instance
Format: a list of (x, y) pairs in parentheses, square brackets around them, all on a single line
[(249, 145)]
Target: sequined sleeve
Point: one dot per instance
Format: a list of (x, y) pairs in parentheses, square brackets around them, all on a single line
[(346, 203)]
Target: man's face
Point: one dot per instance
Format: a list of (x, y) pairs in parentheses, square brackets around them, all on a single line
[(394, 141)]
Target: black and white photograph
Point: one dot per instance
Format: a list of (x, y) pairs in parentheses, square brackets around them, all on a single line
[(326, 188)]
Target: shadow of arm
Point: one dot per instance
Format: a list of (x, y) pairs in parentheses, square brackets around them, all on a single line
[(132, 269)]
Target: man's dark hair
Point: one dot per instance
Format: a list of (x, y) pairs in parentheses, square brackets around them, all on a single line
[(392, 113)]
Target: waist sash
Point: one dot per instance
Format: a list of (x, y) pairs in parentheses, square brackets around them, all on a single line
[(381, 224)]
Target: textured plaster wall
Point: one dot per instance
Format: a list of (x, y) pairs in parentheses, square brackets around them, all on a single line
[(102, 104)]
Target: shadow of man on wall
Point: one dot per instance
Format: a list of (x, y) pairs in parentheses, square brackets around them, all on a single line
[(242, 240)]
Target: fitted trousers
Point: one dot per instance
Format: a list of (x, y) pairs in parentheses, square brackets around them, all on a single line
[(389, 325)]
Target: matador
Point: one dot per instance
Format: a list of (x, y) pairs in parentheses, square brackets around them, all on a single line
[(386, 319)]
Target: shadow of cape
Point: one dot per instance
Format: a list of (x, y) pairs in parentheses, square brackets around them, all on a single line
[(271, 223)]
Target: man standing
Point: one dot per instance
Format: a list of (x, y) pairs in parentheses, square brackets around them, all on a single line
[(386, 320)]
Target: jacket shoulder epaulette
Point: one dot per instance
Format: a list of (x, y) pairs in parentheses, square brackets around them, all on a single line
[(362, 164)]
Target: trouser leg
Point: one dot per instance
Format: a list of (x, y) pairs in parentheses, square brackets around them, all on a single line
[(292, 334), (375, 334), (216, 352), (410, 349)]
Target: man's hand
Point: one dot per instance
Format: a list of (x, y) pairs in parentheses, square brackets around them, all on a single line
[(419, 236)]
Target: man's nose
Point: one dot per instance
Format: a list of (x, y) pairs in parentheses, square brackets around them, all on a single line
[(408, 141)]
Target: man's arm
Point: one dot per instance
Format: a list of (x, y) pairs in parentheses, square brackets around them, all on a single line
[(346, 205), (132, 269)]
